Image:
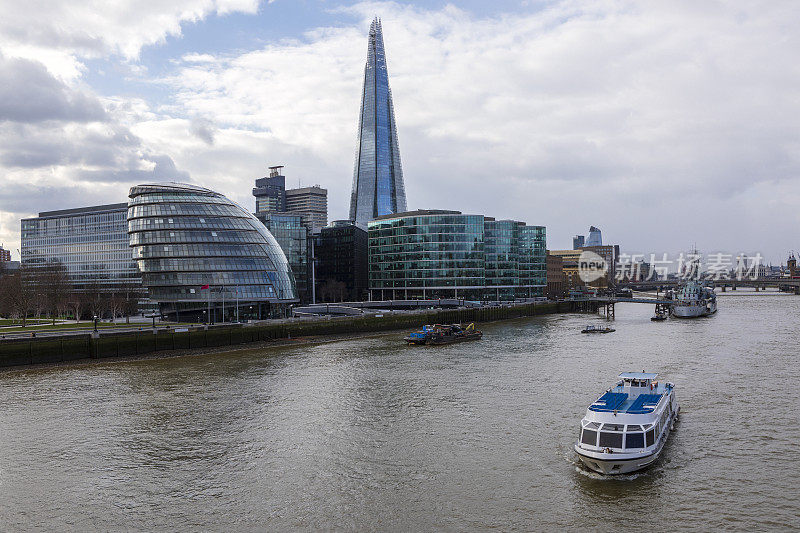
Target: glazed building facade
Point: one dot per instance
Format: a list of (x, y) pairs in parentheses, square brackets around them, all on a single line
[(447, 254), (203, 257), (90, 242)]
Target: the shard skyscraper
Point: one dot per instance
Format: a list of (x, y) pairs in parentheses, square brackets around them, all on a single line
[(378, 177)]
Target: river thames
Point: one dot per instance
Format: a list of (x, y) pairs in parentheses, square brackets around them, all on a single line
[(369, 434)]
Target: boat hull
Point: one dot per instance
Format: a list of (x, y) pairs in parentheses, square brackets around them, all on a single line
[(694, 311), (614, 464), (456, 338), (619, 466)]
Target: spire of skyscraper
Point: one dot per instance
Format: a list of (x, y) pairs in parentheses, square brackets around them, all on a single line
[(378, 176)]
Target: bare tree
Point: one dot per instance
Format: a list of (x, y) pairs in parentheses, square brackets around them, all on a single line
[(53, 284), (93, 299), (131, 305), (18, 296), (115, 304), (76, 304)]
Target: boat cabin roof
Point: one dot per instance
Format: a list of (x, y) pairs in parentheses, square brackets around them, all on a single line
[(639, 375)]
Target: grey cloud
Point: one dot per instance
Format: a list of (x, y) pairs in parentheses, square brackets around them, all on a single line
[(30, 94), (204, 130), (48, 144), (164, 170), (20, 198)]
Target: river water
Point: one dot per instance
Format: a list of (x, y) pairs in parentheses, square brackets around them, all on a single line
[(369, 434)]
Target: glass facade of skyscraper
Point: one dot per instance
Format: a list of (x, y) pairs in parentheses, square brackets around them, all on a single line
[(186, 238), (378, 176), (595, 237), (91, 243), (447, 254)]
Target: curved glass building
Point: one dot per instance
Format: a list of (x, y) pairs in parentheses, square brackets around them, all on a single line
[(203, 257)]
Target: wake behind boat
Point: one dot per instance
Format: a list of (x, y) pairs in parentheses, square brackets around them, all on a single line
[(626, 428)]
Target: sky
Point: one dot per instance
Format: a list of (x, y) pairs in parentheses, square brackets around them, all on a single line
[(669, 125)]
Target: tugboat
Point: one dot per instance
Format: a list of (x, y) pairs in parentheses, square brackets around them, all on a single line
[(626, 428), (693, 300), (659, 316), (596, 329), (444, 334)]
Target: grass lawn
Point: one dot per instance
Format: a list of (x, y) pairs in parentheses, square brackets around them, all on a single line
[(12, 322)]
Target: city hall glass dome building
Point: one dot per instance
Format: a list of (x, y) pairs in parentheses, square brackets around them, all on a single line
[(199, 252)]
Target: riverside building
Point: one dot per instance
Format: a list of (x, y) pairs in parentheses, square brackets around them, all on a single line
[(91, 243), (291, 215), (448, 254), (342, 262), (293, 238), (203, 257)]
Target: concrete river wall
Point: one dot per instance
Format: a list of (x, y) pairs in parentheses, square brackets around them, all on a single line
[(70, 347)]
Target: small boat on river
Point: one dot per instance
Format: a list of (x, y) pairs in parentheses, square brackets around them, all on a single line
[(626, 428), (658, 317), (598, 329), (444, 334)]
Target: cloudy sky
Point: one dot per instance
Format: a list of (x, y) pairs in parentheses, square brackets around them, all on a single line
[(667, 124)]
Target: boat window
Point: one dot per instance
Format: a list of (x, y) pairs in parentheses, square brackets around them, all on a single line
[(613, 427), (650, 437), (593, 425), (647, 426), (634, 428), (589, 437), (610, 440), (634, 440)]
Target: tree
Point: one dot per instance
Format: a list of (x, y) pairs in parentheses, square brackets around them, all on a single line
[(116, 305), (17, 295), (53, 283), (92, 299), (131, 305), (76, 304)]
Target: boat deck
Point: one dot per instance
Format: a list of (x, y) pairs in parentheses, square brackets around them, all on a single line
[(616, 400)]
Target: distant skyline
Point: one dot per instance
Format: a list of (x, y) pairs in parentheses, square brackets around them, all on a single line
[(668, 125)]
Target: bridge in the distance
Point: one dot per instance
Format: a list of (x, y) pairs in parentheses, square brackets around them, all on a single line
[(784, 284)]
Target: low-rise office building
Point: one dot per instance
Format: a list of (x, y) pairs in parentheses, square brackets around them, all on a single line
[(575, 270), (447, 254), (555, 276), (90, 242)]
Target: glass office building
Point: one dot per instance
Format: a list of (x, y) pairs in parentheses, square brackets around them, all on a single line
[(426, 254), (292, 236), (186, 238), (378, 176), (342, 268), (447, 254), (531, 249), (595, 237), (91, 243)]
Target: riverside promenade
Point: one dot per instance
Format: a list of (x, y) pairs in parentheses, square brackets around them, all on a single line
[(74, 346)]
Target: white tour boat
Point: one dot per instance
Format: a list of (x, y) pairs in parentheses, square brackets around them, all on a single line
[(626, 428), (693, 300)]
